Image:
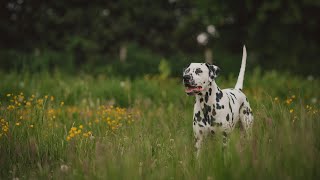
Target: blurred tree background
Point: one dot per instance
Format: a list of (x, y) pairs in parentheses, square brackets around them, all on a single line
[(138, 37)]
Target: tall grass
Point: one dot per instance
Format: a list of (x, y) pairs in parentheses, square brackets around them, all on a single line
[(106, 127)]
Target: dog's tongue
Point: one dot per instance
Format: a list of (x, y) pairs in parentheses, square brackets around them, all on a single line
[(191, 89)]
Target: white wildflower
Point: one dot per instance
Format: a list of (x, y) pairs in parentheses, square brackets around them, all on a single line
[(202, 38), (64, 168)]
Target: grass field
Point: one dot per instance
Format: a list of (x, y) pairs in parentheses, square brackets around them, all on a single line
[(82, 127)]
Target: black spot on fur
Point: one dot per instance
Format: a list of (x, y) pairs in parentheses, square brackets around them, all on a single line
[(217, 124), (232, 99), (212, 120), (198, 117), (231, 109), (227, 117), (210, 91), (214, 110), (204, 120), (212, 132), (249, 111), (233, 95), (207, 96), (198, 71), (200, 131), (224, 134), (201, 100), (208, 108), (244, 112), (230, 106), (218, 106), (200, 125), (241, 106), (194, 123), (219, 95)]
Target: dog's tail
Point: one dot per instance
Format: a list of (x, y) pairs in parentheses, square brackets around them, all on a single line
[(242, 69)]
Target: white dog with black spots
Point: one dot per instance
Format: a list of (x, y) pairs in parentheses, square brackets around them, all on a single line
[(216, 110)]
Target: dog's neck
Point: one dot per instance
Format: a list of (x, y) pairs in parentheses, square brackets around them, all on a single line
[(208, 96)]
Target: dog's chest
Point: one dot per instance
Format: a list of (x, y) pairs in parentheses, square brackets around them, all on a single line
[(220, 111)]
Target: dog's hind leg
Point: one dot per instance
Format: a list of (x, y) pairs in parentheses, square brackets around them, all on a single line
[(246, 117)]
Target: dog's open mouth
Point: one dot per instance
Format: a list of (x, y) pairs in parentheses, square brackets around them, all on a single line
[(192, 89)]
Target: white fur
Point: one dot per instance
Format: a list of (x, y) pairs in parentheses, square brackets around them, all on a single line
[(242, 69)]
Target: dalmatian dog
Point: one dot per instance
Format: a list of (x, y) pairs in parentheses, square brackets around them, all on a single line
[(216, 110)]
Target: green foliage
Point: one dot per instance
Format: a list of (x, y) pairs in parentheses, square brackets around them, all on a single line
[(159, 144), (279, 35), (164, 69)]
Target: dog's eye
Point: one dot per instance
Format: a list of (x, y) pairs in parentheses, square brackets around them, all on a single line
[(186, 70), (198, 71)]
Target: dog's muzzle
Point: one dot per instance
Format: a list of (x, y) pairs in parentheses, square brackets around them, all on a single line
[(190, 87)]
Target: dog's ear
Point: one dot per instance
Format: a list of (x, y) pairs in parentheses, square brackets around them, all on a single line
[(213, 71)]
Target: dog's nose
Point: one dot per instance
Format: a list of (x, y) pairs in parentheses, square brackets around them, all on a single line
[(186, 77)]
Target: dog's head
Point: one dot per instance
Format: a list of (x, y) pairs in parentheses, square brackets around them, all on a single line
[(197, 77)]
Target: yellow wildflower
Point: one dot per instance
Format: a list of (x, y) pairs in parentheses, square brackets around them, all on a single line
[(40, 101), (291, 110), (10, 107), (288, 101), (17, 124)]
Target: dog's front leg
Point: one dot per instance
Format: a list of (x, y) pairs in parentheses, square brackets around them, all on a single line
[(198, 145), (198, 134)]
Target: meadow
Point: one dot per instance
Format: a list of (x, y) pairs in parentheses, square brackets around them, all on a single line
[(61, 126)]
